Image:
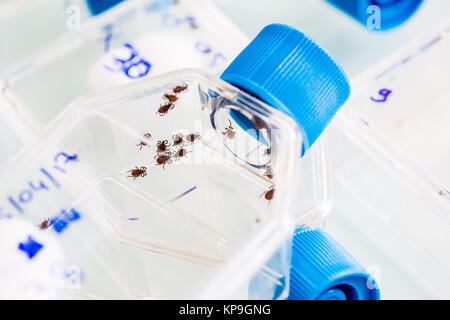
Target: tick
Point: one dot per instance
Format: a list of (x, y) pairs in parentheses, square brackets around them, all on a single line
[(179, 89), (268, 195), (141, 144), (268, 152), (259, 124), (162, 146), (192, 137), (165, 108), (45, 224), (163, 159), (269, 173), (178, 139), (181, 153), (229, 131), (171, 97), (137, 172)]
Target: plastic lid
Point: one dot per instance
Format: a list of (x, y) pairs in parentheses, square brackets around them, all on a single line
[(321, 269), (286, 69), (392, 12), (98, 6)]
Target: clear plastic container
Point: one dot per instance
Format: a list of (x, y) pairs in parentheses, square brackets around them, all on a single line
[(391, 166), (185, 219), (404, 118), (49, 20)]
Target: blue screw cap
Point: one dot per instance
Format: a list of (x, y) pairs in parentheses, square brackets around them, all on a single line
[(286, 69), (98, 6), (392, 12), (321, 269)]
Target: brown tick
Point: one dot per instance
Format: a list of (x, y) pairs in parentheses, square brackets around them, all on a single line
[(192, 137), (267, 152), (137, 172), (268, 195), (229, 131), (45, 224), (259, 124), (178, 139), (143, 143), (179, 89), (181, 153), (162, 146), (172, 98), (165, 108), (163, 159), (269, 173)]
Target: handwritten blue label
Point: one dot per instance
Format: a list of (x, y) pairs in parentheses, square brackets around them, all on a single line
[(45, 182), (384, 93), (31, 247), (134, 67)]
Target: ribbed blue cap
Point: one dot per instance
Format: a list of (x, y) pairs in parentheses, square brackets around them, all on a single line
[(286, 69), (393, 12), (98, 6), (321, 269)]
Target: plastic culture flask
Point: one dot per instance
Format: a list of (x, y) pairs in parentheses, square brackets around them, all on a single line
[(28, 26), (181, 186), (397, 120)]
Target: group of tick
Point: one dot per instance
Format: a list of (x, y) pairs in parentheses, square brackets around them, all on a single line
[(164, 153)]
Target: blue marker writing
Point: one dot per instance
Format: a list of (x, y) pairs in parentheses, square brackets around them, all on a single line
[(31, 247)]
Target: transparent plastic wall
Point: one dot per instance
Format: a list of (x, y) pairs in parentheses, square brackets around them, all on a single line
[(399, 115)]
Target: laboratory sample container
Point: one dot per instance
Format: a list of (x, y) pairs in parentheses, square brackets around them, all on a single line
[(28, 26), (185, 186), (396, 164)]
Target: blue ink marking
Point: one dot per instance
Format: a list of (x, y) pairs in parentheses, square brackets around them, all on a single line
[(364, 121), (15, 204), (42, 186), (133, 219), (206, 49), (66, 156), (50, 177), (31, 248), (64, 218), (108, 37), (384, 93), (4, 215), (59, 225), (25, 196), (216, 57), (134, 67), (73, 215), (183, 194)]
